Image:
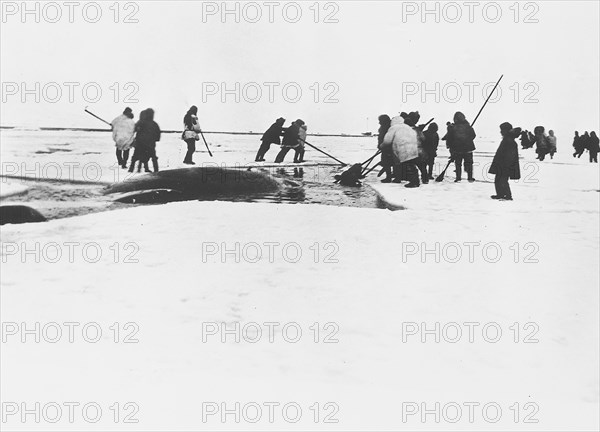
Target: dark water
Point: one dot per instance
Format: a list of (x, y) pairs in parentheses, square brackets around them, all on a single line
[(314, 185)]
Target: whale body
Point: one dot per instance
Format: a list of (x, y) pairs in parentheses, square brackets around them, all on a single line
[(197, 183), (19, 214)]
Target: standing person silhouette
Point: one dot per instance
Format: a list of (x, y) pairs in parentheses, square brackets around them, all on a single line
[(271, 136), (123, 132), (290, 140), (461, 140), (506, 162), (147, 134), (190, 133)]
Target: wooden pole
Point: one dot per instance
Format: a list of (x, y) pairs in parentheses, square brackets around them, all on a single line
[(94, 115), (206, 144), (440, 177), (319, 150)]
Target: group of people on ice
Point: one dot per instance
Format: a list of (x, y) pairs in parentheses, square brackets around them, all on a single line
[(294, 137), (408, 151), (402, 144), (544, 144), (589, 142), (142, 136)]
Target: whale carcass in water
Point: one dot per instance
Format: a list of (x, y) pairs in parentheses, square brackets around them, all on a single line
[(193, 183)]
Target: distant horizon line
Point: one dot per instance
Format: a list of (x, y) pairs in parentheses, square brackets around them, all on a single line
[(80, 129)]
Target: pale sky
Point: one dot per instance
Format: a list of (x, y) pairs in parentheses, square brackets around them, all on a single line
[(370, 55)]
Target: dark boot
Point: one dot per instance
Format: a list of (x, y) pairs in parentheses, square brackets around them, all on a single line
[(397, 174), (262, 151), (458, 172), (125, 158), (469, 170), (388, 175), (422, 166), (133, 161), (430, 170), (155, 164), (412, 173)]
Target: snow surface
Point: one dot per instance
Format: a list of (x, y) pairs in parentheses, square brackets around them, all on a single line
[(8, 189), (90, 156), (374, 287)]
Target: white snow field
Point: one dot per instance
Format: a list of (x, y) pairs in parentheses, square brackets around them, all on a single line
[(456, 313), (8, 189)]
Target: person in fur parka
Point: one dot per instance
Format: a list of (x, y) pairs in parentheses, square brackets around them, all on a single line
[(406, 143), (506, 162)]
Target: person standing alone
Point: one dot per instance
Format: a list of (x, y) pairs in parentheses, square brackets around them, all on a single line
[(506, 162), (190, 133)]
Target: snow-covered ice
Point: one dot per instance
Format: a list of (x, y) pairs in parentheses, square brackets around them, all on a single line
[(375, 274), (8, 189)]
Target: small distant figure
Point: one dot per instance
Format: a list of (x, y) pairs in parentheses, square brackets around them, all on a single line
[(541, 142), (290, 140), (299, 156), (461, 138), (430, 145), (190, 134), (506, 162), (578, 145), (123, 132), (387, 155), (585, 141), (527, 140), (271, 136), (448, 136), (594, 147), (147, 134), (551, 144)]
